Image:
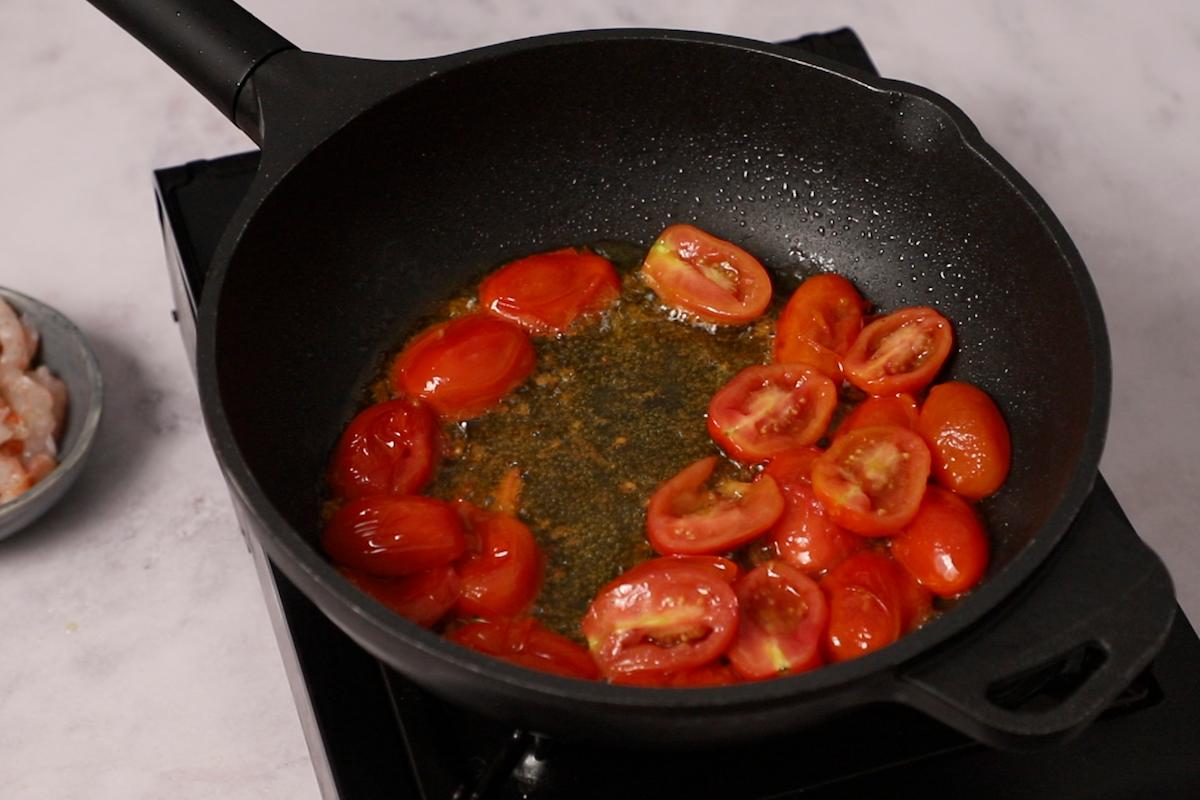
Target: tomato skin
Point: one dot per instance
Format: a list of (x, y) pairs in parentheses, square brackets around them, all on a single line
[(685, 519), (527, 643), (709, 278), (805, 536), (793, 466), (665, 618), (720, 567), (871, 479), (916, 602), (900, 352), (783, 617), (423, 597), (388, 448), (546, 293), (463, 367), (894, 409), (713, 674), (819, 324), (968, 438), (945, 547), (708, 675), (394, 535), (502, 570), (872, 602), (767, 410)]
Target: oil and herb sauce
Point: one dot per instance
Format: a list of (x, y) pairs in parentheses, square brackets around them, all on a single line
[(611, 411)]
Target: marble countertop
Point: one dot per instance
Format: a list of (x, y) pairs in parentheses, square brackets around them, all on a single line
[(138, 660)]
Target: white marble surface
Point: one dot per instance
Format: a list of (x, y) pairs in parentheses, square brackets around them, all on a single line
[(137, 660)]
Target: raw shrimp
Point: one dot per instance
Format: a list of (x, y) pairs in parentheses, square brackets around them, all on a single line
[(33, 407), (13, 478), (12, 427), (16, 344), (58, 395), (34, 404)]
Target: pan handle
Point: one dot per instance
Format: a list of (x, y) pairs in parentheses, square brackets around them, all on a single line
[(1024, 678), (214, 45)]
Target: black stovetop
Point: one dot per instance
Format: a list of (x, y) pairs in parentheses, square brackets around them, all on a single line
[(373, 734)]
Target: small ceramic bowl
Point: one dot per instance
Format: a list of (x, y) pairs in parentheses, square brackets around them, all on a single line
[(65, 351)]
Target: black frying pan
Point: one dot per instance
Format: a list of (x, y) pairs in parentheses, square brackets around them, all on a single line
[(387, 186)]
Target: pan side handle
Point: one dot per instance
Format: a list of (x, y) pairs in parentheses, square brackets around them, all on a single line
[(214, 45), (1061, 654)]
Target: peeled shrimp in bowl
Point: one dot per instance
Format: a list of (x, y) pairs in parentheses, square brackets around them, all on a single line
[(50, 396)]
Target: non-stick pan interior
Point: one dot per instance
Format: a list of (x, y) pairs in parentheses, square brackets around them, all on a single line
[(614, 139)]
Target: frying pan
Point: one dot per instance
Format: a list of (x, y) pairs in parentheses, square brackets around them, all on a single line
[(385, 187)]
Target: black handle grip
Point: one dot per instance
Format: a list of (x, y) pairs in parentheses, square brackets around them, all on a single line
[(1058, 655), (213, 44)]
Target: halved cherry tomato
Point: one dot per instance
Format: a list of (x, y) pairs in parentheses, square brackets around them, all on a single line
[(721, 567), (805, 536), (423, 597), (872, 601), (901, 352), (716, 673), (793, 466), (968, 438), (463, 367), (766, 410), (547, 292), (669, 616), (394, 535), (819, 324), (388, 448), (916, 602), (686, 518), (501, 573), (712, 279), (945, 546), (783, 616), (529, 644), (892, 409), (871, 479)]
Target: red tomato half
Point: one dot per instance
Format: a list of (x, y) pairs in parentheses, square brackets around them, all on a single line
[(389, 448), (463, 367), (664, 619), (805, 536), (871, 479), (872, 602), (712, 279), (783, 618), (424, 597), (819, 324), (716, 673), (794, 466), (684, 517), (721, 567), (969, 440), (766, 410), (502, 571), (527, 643), (893, 409), (394, 535), (901, 352), (548, 292), (945, 547)]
